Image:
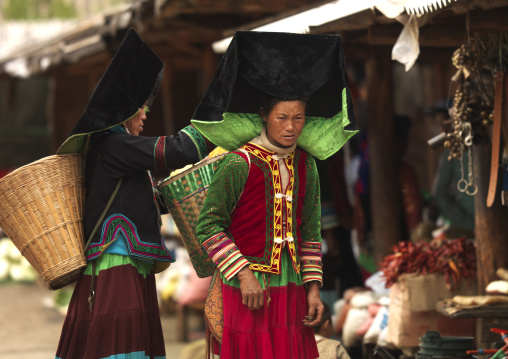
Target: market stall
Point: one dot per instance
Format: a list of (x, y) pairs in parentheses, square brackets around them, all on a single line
[(460, 48), (467, 38)]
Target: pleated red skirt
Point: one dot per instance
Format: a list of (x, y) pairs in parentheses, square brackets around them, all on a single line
[(273, 332), (125, 321)]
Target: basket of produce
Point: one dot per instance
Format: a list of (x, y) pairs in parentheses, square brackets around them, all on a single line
[(184, 195), (41, 211)]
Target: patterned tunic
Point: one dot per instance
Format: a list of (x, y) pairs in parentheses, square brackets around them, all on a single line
[(135, 211)]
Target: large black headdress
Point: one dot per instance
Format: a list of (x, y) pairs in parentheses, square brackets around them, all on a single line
[(132, 79), (286, 66)]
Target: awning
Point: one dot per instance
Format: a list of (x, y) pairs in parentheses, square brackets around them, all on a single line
[(339, 9), (300, 23)]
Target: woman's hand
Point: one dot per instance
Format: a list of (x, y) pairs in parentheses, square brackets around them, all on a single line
[(315, 304), (252, 292)]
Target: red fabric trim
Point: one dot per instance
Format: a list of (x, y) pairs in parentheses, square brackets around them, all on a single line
[(160, 158)]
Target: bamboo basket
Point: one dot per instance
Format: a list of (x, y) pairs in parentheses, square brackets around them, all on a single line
[(41, 211), (184, 195)]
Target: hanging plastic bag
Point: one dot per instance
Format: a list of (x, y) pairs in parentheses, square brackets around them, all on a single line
[(407, 47)]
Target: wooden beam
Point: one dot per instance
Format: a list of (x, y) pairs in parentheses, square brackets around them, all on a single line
[(183, 47), (358, 37), (176, 8), (445, 28), (359, 21), (356, 48), (465, 6), (383, 35), (386, 208), (432, 54), (68, 98), (273, 18), (87, 66), (179, 60), (182, 31), (491, 21), (167, 103), (481, 21), (356, 53), (442, 36), (208, 68), (171, 45), (429, 36)]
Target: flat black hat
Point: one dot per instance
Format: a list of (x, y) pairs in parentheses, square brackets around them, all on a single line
[(132, 79), (286, 66)]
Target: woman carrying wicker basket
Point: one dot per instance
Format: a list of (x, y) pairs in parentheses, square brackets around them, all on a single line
[(114, 310), (260, 222)]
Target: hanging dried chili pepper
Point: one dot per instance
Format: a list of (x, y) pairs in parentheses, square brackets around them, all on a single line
[(453, 258)]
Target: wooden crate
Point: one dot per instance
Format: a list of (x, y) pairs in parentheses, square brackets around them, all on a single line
[(422, 292), (405, 327)]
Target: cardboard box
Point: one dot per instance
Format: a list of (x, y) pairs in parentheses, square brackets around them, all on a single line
[(422, 292), (405, 327)]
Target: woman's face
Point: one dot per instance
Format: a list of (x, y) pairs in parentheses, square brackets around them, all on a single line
[(135, 124), (284, 123)]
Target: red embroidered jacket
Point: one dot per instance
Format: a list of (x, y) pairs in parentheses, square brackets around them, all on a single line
[(248, 220)]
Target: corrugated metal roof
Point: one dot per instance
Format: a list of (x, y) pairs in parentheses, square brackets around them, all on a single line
[(420, 7)]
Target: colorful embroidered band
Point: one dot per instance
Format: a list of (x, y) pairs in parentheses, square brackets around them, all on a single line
[(225, 254), (198, 139)]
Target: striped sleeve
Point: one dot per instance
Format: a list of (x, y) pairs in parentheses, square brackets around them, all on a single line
[(310, 229), (225, 254), (215, 218), (312, 267)]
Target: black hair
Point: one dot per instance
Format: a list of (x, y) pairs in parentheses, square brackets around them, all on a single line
[(267, 103), (327, 315)]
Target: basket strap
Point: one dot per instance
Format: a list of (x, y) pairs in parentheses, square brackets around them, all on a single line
[(85, 152), (91, 296), (103, 213)]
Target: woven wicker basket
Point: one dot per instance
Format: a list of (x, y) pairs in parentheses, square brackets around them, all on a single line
[(184, 195), (41, 211)]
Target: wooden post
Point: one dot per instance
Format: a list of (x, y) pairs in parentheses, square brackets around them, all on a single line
[(491, 235), (385, 191), (66, 106), (169, 125), (491, 229), (209, 68)]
